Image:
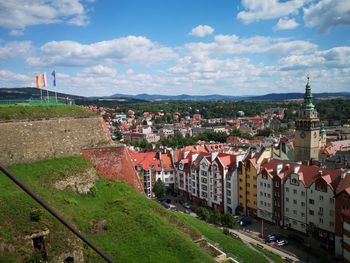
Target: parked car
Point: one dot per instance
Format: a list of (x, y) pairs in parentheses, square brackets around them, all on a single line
[(165, 204), (245, 221), (270, 238), (281, 243), (187, 205)]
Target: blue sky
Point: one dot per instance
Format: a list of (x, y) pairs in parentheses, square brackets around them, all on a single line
[(176, 47)]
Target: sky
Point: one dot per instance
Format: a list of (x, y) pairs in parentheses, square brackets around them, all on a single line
[(172, 47)]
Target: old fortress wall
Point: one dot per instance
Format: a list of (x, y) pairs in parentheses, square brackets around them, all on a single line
[(26, 141)]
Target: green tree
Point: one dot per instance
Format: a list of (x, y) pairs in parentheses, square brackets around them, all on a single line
[(203, 213), (235, 132), (265, 132), (159, 189), (215, 217), (118, 135), (228, 220)]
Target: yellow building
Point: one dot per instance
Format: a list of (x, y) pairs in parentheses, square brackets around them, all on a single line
[(247, 174)]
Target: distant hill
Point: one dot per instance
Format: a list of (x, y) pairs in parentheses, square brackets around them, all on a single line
[(271, 96), (26, 93)]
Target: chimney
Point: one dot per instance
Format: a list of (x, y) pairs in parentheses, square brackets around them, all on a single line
[(279, 168), (296, 169)]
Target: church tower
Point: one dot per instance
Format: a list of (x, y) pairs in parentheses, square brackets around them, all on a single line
[(307, 134)]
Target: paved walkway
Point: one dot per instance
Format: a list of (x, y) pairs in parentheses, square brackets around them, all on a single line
[(247, 239)]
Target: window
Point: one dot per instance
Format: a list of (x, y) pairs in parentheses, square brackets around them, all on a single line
[(287, 189), (311, 201), (287, 199), (321, 198), (321, 220), (261, 184), (294, 201), (302, 193), (311, 212), (261, 194), (303, 204), (254, 186), (331, 224), (277, 184), (287, 209), (294, 212), (302, 214), (331, 200), (295, 191), (261, 202)]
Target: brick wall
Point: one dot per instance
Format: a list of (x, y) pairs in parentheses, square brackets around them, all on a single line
[(114, 162)]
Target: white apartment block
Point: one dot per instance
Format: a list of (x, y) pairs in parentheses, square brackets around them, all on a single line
[(265, 196)]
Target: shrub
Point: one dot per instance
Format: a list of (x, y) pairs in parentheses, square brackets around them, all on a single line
[(35, 215)]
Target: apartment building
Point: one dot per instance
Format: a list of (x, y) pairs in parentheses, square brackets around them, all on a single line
[(248, 170), (152, 166), (301, 197), (210, 179), (342, 218)]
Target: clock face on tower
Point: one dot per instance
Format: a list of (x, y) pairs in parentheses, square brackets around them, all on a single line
[(302, 135)]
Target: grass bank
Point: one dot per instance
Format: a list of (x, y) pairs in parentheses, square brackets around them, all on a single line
[(138, 229), (33, 112), (228, 244)]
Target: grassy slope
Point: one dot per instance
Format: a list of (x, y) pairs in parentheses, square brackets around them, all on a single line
[(20, 112), (139, 230), (227, 243)]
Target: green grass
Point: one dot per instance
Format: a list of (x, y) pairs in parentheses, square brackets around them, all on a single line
[(272, 256), (138, 229), (32, 112), (227, 243)]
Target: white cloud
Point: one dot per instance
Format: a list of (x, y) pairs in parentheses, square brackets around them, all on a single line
[(327, 14), (100, 70), (255, 10), (12, 79), (15, 49), (19, 14), (131, 49), (232, 44), (337, 57), (202, 31), (286, 24)]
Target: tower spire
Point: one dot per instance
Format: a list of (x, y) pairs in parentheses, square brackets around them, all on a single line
[(308, 95)]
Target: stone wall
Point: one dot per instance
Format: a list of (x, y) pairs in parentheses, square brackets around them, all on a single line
[(26, 141)]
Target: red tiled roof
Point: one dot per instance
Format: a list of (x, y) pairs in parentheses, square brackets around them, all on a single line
[(228, 160), (344, 184), (146, 160), (307, 173), (167, 162)]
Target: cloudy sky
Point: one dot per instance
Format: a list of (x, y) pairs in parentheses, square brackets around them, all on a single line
[(102, 47)]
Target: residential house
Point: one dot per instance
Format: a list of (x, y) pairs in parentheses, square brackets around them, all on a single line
[(248, 170)]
